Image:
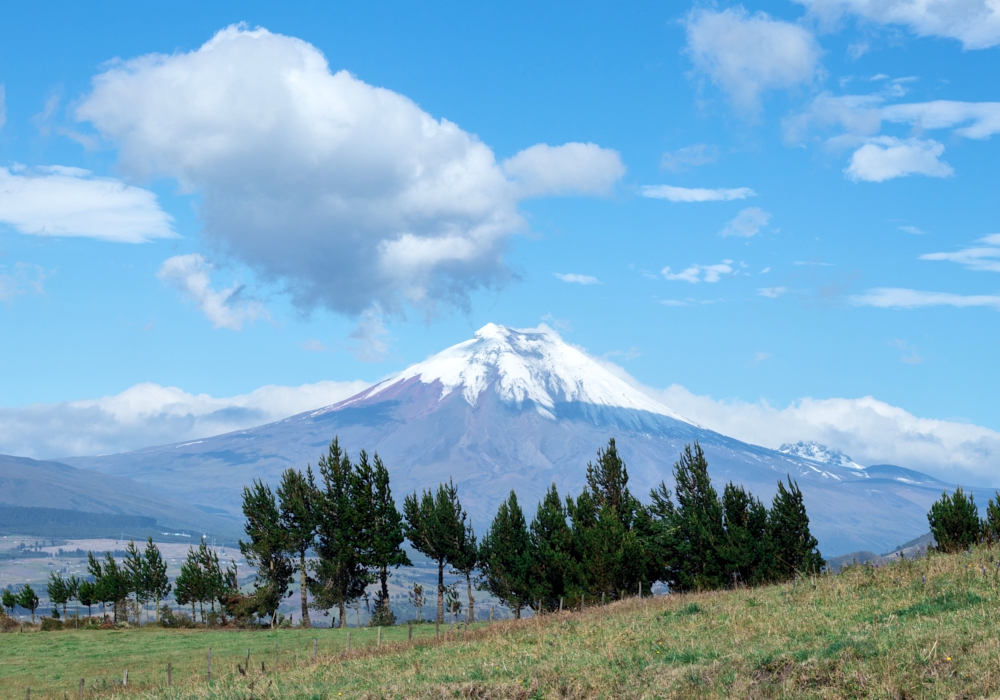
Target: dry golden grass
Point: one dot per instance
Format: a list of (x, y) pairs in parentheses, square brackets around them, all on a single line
[(913, 629)]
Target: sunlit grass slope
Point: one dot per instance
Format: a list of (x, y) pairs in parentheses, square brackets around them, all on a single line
[(913, 629)]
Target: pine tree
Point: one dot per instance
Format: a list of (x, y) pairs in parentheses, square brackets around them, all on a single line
[(114, 584), (211, 579), (384, 532), (607, 481), (697, 531), (73, 591), (792, 547), (991, 524), (296, 498), (554, 571), (266, 550), (954, 521), (465, 563), (745, 521), (188, 585), (341, 542), (435, 525), (28, 599), (157, 585), (58, 592), (87, 595), (133, 570), (8, 600), (505, 557)]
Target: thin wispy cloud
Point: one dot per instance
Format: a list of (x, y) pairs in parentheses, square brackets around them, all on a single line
[(699, 273), (689, 157), (901, 298), (772, 292), (573, 278), (226, 308), (982, 258), (696, 194)]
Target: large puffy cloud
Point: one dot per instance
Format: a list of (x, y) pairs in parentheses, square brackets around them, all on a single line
[(60, 201), (349, 195), (886, 157), (976, 23), (747, 55), (191, 275), (869, 430), (150, 414)]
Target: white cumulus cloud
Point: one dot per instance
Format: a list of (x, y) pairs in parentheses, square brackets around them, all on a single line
[(348, 195), (746, 223), (700, 273), (149, 414), (886, 157), (573, 168), (900, 298), (191, 275), (975, 23), (696, 194), (61, 201), (574, 278), (747, 55)]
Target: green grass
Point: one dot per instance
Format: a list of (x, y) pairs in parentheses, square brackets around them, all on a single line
[(866, 633)]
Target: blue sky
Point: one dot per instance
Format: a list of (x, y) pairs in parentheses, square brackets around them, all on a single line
[(511, 164)]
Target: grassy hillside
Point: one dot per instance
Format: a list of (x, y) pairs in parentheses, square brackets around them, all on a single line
[(926, 628)]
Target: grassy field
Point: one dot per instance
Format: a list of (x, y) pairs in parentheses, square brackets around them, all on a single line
[(913, 629)]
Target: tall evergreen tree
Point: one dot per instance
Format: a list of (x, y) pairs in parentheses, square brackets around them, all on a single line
[(188, 585), (435, 525), (57, 591), (87, 595), (73, 592), (28, 599), (296, 498), (383, 530), (697, 531), (154, 572), (954, 521), (266, 551), (133, 568), (211, 579), (991, 523), (792, 547), (505, 557), (9, 601), (554, 571), (745, 549), (465, 563), (340, 571), (114, 584)]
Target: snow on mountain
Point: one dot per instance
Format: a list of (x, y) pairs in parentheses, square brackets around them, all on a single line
[(815, 452), (525, 365)]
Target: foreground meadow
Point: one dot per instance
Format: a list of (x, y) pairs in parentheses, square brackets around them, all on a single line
[(926, 628)]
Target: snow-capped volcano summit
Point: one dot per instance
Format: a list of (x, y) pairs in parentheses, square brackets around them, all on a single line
[(521, 410), (521, 366)]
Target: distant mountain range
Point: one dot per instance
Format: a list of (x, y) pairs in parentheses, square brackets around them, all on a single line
[(521, 409), (64, 500)]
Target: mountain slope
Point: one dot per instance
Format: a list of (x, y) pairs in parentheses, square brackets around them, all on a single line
[(37, 484), (518, 409)]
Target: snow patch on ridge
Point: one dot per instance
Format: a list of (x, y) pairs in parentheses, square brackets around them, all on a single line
[(521, 365), (815, 452)]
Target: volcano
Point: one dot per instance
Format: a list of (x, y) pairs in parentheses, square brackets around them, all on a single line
[(519, 410)]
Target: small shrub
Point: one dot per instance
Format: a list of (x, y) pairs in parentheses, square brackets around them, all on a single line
[(954, 521), (172, 620), (51, 624)]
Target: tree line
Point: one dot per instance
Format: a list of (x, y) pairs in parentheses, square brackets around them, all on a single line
[(602, 544)]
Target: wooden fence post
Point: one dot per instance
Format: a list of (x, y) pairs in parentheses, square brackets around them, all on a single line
[(348, 640), (560, 603), (170, 674), (29, 693), (437, 627), (602, 600), (378, 642), (276, 656), (640, 589), (82, 683), (491, 614), (210, 664), (409, 632), (315, 645), (125, 679)]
